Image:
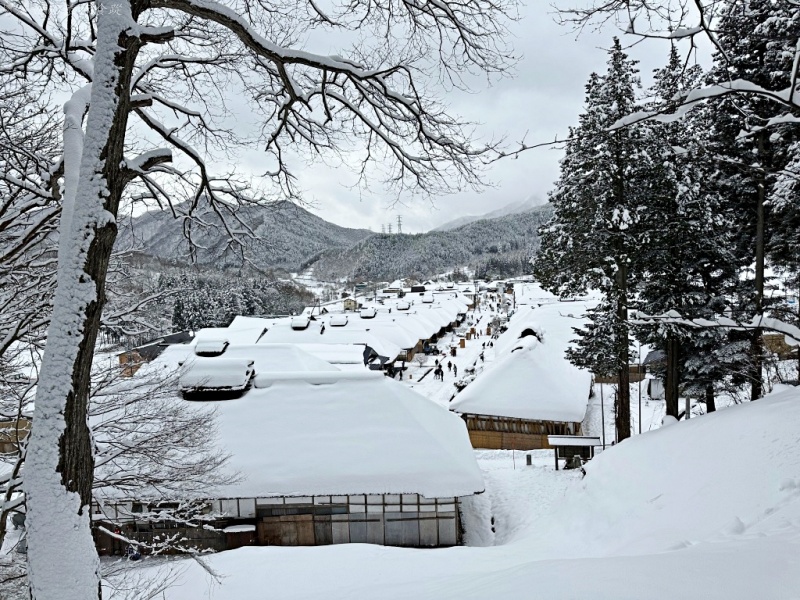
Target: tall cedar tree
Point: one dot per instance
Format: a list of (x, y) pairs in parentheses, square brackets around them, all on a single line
[(686, 250), (593, 239), (759, 39)]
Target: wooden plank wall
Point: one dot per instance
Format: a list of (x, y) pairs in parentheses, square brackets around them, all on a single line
[(500, 433)]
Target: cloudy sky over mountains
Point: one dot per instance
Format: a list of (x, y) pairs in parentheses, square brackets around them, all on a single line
[(540, 103)]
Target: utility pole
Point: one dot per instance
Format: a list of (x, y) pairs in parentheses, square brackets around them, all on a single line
[(389, 229), (399, 224), (383, 228)]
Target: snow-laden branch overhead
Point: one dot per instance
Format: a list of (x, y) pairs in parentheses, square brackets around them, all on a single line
[(672, 317)]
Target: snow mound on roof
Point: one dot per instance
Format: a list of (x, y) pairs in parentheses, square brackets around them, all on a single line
[(366, 435), (532, 381), (217, 373), (272, 358)]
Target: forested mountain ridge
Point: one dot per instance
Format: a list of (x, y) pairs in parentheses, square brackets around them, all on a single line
[(290, 238), (285, 236), (504, 246)]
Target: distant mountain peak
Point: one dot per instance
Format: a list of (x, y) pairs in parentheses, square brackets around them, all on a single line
[(513, 208)]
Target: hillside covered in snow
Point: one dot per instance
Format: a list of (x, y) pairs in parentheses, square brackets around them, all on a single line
[(501, 246), (287, 237), (283, 236)]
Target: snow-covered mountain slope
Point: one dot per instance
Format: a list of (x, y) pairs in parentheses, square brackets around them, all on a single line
[(502, 245), (708, 508), (528, 204), (290, 238), (285, 236)]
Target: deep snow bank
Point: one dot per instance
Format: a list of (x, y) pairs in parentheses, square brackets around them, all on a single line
[(729, 474)]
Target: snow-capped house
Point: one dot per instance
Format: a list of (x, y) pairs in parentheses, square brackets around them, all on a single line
[(528, 394), (331, 457)]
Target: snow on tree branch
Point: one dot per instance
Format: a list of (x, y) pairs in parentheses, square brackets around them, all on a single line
[(791, 332)]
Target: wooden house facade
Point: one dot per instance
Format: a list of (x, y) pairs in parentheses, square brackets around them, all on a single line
[(13, 431), (509, 433), (404, 520)]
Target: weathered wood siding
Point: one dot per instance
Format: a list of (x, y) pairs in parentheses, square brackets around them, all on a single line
[(503, 433), (390, 520)]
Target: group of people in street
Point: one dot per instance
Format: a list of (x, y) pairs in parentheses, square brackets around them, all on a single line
[(438, 372)]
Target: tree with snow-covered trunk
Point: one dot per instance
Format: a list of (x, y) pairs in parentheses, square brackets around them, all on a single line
[(148, 445), (120, 58)]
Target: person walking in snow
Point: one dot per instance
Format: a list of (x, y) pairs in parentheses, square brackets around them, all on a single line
[(481, 356), (449, 366), (455, 370)]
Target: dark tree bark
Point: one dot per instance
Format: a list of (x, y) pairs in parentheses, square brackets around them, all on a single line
[(756, 344), (711, 405), (622, 412), (672, 378)]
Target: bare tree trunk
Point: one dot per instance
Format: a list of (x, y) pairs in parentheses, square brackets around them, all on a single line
[(756, 345), (62, 558), (671, 383), (711, 405), (623, 407)]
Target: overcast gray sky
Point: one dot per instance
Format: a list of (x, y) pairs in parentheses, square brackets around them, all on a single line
[(543, 99)]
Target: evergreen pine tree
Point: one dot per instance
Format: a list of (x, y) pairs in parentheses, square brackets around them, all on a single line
[(759, 39), (593, 237), (685, 258)]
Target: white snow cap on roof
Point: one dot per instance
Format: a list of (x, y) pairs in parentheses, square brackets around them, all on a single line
[(300, 322), (365, 435), (210, 346), (534, 381), (338, 320), (216, 373)]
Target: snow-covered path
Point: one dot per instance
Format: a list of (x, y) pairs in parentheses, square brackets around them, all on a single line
[(442, 391)]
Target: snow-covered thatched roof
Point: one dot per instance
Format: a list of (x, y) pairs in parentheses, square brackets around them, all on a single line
[(306, 427), (356, 435), (530, 383)]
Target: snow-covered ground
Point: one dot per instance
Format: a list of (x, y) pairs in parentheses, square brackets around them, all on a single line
[(707, 508)]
